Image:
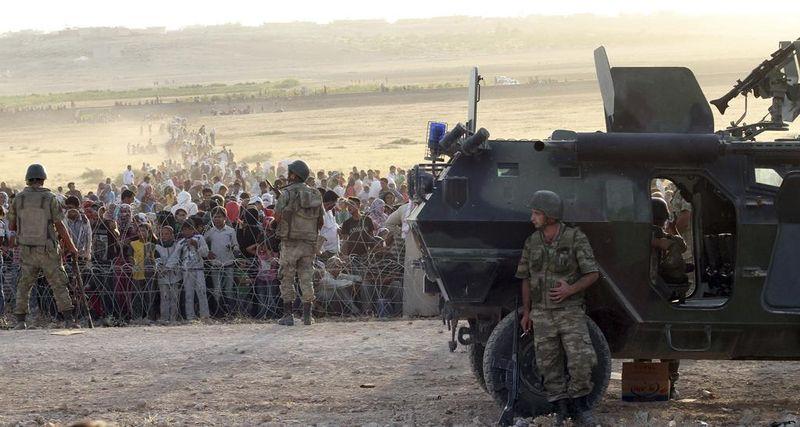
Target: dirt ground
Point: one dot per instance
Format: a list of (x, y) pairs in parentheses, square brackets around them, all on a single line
[(333, 373)]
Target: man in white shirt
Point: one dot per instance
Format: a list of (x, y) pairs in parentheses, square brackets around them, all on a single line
[(330, 229), (127, 177)]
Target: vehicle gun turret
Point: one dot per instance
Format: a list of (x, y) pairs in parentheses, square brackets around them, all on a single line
[(776, 78)]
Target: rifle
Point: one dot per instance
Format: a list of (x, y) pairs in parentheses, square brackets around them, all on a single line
[(277, 191), (81, 297), (754, 79), (507, 416)]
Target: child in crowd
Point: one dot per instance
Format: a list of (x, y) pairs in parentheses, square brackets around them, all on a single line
[(266, 284), (169, 274), (193, 249), (180, 218), (143, 259)]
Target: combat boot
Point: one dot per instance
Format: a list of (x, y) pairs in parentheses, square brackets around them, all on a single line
[(673, 393), (288, 317), (69, 320), (582, 415), (562, 412), (21, 325), (307, 317)]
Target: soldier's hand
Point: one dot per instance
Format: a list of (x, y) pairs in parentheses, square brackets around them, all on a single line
[(561, 292), (525, 323), (12, 241), (662, 244)]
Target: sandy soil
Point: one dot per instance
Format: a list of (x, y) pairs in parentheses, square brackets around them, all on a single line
[(332, 373), (335, 132)]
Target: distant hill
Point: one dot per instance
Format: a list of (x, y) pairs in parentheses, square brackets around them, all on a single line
[(354, 52)]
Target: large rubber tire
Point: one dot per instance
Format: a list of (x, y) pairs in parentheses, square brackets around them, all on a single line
[(531, 400), (476, 363)]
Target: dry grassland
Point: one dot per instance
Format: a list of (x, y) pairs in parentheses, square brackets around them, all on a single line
[(340, 134)]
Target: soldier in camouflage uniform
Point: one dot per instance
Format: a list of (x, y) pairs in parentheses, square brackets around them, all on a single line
[(299, 215), (667, 265), (681, 223), (556, 267), (35, 221)]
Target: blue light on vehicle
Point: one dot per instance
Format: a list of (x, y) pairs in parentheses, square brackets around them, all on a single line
[(436, 131)]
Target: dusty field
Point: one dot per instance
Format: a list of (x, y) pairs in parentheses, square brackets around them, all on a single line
[(257, 374), (328, 132)]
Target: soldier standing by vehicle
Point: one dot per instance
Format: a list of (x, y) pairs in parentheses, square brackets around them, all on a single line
[(667, 265), (36, 224), (556, 267), (681, 224), (299, 216)]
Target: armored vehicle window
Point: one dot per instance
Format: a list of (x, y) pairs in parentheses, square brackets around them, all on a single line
[(768, 176), (693, 253), (507, 170)]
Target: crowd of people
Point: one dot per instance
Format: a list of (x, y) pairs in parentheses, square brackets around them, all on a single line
[(193, 238)]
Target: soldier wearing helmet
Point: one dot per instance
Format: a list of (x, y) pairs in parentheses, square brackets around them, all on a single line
[(556, 267), (36, 224), (299, 217)]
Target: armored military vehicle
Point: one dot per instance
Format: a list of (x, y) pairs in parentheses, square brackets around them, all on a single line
[(472, 218)]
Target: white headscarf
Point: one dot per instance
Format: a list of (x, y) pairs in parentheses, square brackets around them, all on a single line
[(184, 201)]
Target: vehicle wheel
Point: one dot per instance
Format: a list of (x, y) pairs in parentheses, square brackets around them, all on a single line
[(531, 400), (476, 363)]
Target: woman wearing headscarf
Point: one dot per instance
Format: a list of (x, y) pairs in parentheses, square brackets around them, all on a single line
[(184, 201), (352, 184), (106, 193), (377, 213), (169, 197), (232, 211)]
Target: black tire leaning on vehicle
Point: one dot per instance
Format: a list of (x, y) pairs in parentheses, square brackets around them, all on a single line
[(531, 400)]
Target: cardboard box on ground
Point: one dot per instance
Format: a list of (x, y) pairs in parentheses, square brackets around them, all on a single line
[(645, 381)]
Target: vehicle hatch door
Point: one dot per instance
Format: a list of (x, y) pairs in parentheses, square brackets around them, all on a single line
[(782, 285)]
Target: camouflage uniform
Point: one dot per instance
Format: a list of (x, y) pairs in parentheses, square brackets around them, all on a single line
[(297, 258), (677, 205), (300, 207), (559, 329), (669, 266), (40, 258)]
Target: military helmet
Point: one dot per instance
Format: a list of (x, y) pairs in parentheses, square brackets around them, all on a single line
[(35, 171), (660, 210), (548, 202), (299, 168)]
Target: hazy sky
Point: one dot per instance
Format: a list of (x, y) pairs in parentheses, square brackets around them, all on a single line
[(56, 14)]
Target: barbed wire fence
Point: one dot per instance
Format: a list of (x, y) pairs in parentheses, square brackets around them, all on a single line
[(118, 291), (119, 294)]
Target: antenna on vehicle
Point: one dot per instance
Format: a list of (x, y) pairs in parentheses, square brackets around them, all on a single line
[(473, 97)]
